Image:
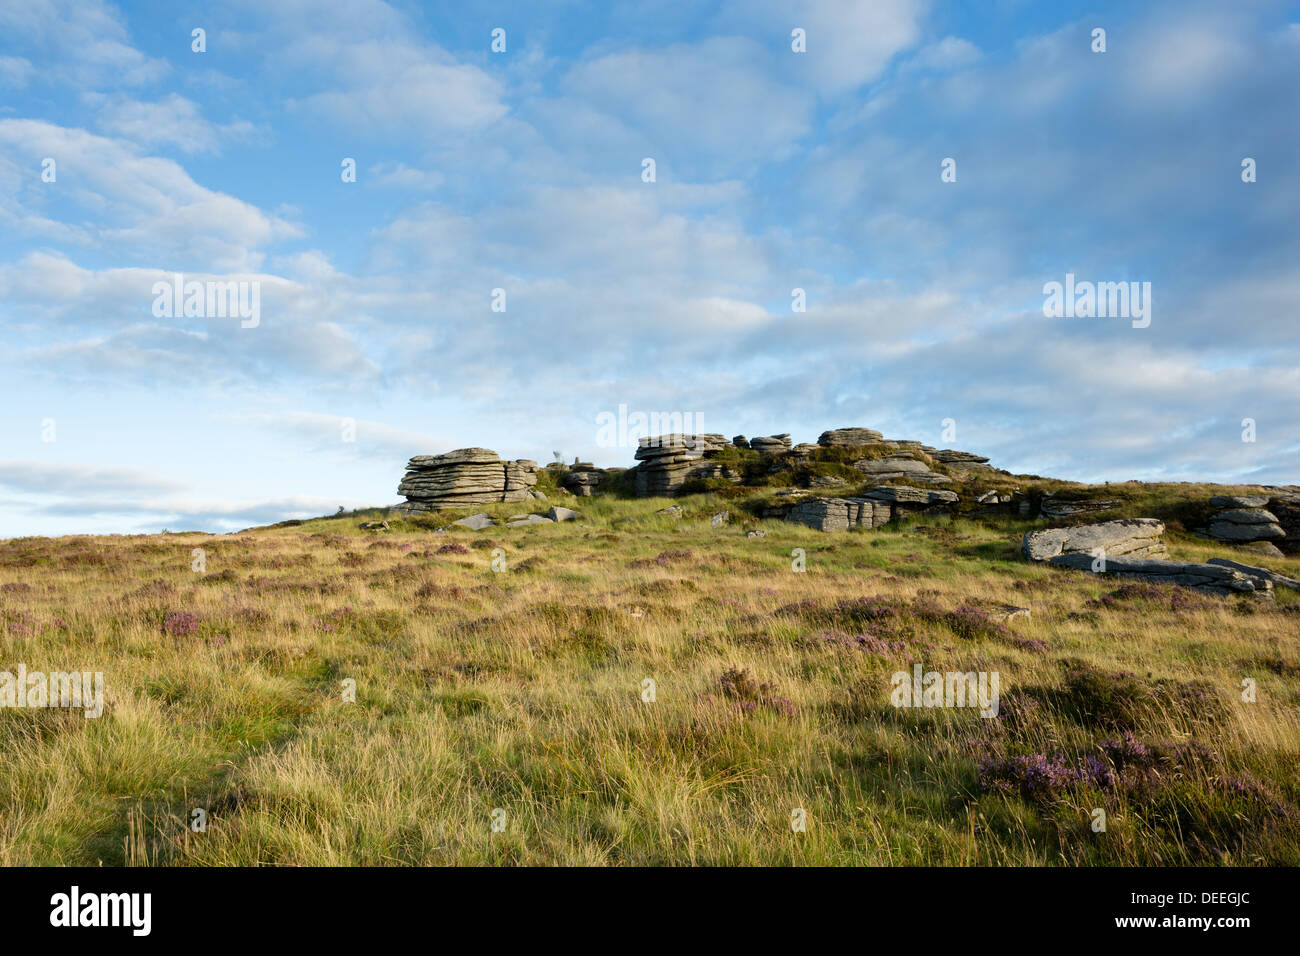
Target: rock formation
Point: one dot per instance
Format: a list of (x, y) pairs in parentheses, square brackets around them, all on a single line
[(877, 507), (668, 461), (1206, 578), (466, 476), (1135, 537), (1242, 519)]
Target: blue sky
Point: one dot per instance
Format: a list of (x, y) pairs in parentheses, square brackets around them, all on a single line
[(522, 171)]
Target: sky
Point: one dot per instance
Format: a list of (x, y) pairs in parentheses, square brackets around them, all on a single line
[(503, 270)]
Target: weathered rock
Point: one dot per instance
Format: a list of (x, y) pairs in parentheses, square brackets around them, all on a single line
[(906, 495), (1054, 507), (562, 514), (840, 514), (475, 522), (962, 459), (719, 519), (673, 512), (1266, 548), (1244, 524), (1007, 613), (740, 441), (1139, 537), (826, 481), (583, 480), (668, 461), (516, 521), (756, 533), (374, 526), (1239, 501), (465, 476), (771, 445), (1265, 573), (913, 469), (1286, 505), (849, 436), (1206, 578)]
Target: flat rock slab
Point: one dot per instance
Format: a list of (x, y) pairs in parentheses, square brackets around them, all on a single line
[(906, 495), (562, 514), (1272, 576), (1139, 537), (1206, 578), (475, 522), (1239, 501), (516, 521)]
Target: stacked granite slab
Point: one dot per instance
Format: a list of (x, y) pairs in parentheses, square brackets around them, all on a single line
[(466, 476), (1285, 503), (583, 478), (771, 445), (877, 507), (668, 461), (1243, 519)]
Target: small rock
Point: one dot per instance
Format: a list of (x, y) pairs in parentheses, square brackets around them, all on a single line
[(672, 512), (1006, 613), (562, 514), (375, 526), (756, 533), (475, 522), (517, 521), (719, 519)]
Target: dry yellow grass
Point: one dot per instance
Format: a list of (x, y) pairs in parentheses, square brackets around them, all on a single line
[(519, 694)]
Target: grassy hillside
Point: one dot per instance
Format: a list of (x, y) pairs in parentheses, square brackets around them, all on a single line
[(521, 691)]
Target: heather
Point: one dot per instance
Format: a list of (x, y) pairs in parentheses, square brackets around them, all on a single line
[(522, 690)]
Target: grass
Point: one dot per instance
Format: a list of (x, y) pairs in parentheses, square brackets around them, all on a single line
[(519, 694)]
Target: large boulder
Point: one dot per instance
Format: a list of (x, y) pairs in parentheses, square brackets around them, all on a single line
[(849, 436), (1245, 524), (465, 476), (771, 445), (913, 469), (668, 461), (1138, 537), (840, 514)]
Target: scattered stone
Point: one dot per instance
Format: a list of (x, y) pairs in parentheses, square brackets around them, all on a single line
[(1139, 537), (374, 526), (465, 476), (562, 514), (674, 511), (475, 522), (1006, 613), (516, 521), (719, 519), (1205, 578), (756, 533)]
